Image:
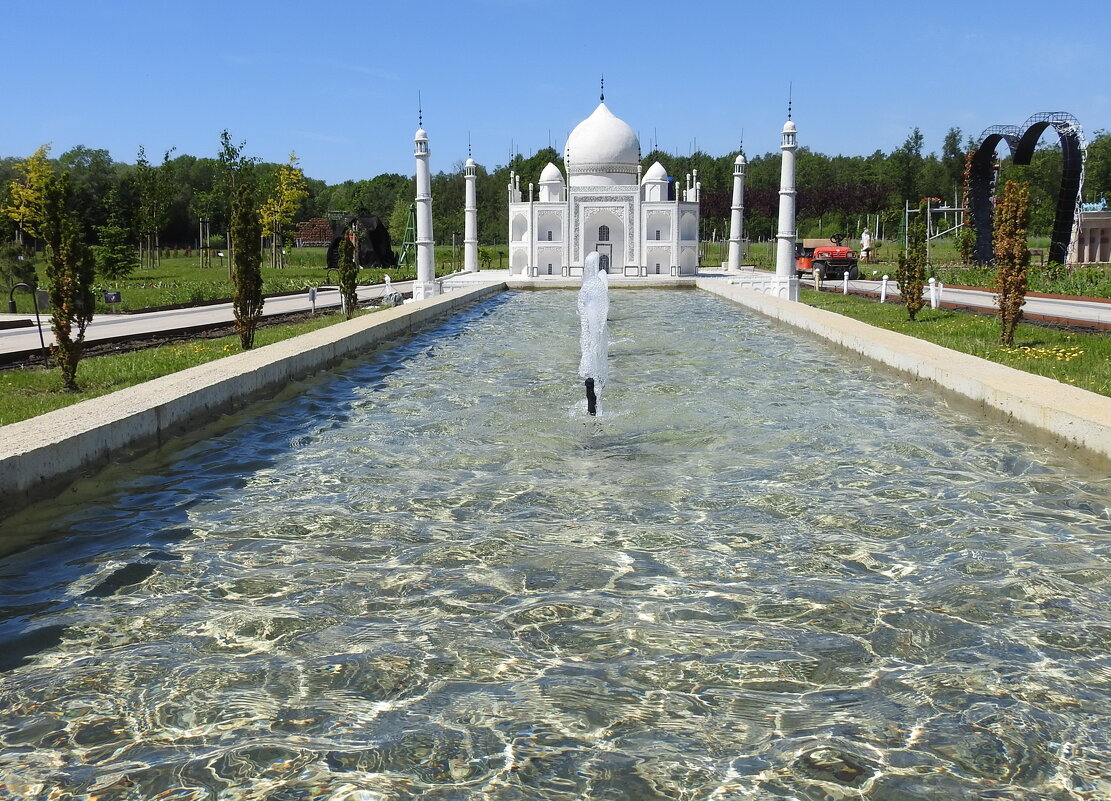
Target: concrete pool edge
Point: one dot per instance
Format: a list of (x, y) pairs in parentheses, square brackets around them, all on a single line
[(40, 456), (1072, 417)]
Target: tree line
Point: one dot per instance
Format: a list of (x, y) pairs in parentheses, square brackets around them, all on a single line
[(67, 203), (184, 200)]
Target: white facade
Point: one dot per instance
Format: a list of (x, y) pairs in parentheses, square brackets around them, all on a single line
[(1091, 243), (640, 225)]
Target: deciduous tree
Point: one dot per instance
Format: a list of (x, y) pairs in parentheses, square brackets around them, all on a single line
[(1012, 216), (26, 195), (278, 210), (156, 188)]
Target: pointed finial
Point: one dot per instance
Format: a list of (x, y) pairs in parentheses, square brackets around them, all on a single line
[(602, 95), (469, 144), (420, 112), (790, 90)]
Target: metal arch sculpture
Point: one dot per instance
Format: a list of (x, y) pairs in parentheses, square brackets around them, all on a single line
[(372, 242), (1021, 141)]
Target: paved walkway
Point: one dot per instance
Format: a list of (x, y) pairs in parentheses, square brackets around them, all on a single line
[(117, 327)]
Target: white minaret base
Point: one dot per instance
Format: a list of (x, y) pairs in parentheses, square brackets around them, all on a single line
[(425, 289), (768, 284)]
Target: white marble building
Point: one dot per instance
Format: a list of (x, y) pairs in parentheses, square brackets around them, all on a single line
[(640, 224), (1091, 243)]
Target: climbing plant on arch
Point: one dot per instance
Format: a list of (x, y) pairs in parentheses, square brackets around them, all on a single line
[(1021, 141)]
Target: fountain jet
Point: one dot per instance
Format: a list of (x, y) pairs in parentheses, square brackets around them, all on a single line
[(594, 304)]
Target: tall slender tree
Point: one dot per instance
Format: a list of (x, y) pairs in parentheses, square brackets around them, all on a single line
[(70, 271), (966, 236), (115, 255), (278, 210), (1012, 217), (349, 271), (246, 231), (911, 273), (155, 185)]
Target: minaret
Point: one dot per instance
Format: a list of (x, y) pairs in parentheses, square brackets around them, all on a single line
[(470, 218), (425, 286), (736, 217), (785, 254)]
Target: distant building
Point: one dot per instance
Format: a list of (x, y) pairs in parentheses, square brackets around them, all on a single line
[(314, 233), (639, 224), (1092, 243)]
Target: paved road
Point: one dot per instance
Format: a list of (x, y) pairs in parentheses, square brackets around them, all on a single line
[(114, 327)]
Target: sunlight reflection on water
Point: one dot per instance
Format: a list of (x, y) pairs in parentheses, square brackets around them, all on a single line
[(763, 571)]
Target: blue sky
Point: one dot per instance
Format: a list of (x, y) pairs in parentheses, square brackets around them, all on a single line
[(338, 82)]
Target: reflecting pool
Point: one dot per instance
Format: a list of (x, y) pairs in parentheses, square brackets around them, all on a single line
[(764, 571)]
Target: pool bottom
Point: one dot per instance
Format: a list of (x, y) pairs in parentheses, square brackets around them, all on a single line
[(431, 576)]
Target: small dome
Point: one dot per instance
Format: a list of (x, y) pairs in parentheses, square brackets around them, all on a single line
[(420, 134), (655, 173), (789, 127), (469, 162), (740, 159), (602, 144), (551, 174)]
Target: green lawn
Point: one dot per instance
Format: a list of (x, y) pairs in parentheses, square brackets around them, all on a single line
[(1080, 359), (1083, 360), (179, 279), (1093, 281), (27, 392)]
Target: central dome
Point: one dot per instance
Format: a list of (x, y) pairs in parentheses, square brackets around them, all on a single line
[(602, 150)]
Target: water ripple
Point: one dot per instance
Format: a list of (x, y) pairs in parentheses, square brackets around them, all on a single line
[(766, 570)]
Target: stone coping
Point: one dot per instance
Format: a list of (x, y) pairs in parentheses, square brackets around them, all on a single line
[(42, 455), (615, 282), (1072, 417)]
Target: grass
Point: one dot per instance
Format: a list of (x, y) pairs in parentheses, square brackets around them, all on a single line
[(179, 279), (1083, 360), (28, 392), (1092, 281), (1076, 358)]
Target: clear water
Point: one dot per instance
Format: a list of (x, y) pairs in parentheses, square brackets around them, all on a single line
[(765, 571)]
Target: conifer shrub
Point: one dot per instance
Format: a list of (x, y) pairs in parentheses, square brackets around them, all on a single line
[(348, 276), (1012, 256), (70, 272), (911, 272)]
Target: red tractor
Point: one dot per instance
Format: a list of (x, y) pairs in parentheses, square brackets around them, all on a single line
[(829, 260)]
